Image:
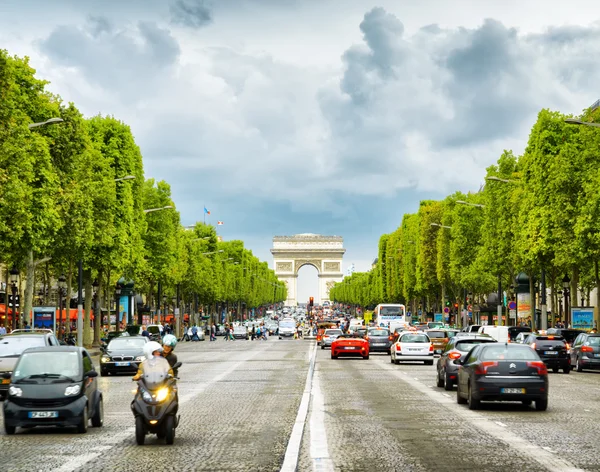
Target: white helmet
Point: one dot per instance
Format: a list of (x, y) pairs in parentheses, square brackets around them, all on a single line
[(150, 348)]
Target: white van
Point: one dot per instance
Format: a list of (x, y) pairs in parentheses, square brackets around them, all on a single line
[(499, 333)]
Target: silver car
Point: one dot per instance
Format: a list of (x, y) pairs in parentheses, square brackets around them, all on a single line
[(329, 336)]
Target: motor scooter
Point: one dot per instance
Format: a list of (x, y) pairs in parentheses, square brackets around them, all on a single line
[(156, 402)]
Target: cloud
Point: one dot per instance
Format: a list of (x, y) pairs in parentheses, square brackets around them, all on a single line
[(193, 14)]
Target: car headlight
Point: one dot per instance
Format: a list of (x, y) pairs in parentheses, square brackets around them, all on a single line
[(140, 358), (162, 394), (146, 396), (15, 391), (72, 390), (104, 359)]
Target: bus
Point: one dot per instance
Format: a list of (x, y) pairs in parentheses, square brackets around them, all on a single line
[(390, 315)]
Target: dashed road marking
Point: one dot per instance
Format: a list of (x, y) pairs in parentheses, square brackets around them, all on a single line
[(500, 423)]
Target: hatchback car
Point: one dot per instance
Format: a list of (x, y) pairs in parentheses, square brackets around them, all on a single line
[(585, 353), (379, 339), (502, 372), (457, 348), (123, 354), (439, 338), (329, 336), (412, 347), (12, 345), (53, 387), (553, 350)]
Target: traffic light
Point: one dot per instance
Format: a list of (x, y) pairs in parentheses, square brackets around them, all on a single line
[(311, 301), (456, 305), (447, 302)]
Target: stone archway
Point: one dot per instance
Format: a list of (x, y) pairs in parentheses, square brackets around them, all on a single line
[(325, 253)]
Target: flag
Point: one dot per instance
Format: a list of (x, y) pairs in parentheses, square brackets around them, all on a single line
[(206, 211), (219, 223)]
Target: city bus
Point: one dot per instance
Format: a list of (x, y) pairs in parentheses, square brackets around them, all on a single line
[(390, 315)]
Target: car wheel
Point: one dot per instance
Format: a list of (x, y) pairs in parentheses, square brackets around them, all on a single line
[(366, 357), (322, 347), (389, 353), (440, 381), (555, 370), (567, 369), (334, 357), (460, 400), (98, 418), (396, 361), (10, 430), (578, 366), (103, 373), (83, 423), (541, 404), (473, 403), (170, 429), (140, 431), (448, 384), (428, 362), (526, 402)]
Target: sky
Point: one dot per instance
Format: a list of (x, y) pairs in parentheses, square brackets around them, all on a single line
[(333, 117)]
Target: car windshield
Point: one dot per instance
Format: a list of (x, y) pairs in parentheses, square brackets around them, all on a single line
[(414, 338), (390, 310), (508, 352), (287, 324), (333, 332), (46, 364), (13, 346), (436, 334), (153, 330), (127, 343), (240, 329), (467, 345), (379, 332)]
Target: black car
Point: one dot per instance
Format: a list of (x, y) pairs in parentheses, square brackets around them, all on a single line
[(13, 344), (513, 331), (502, 372), (53, 386), (457, 348), (585, 353), (553, 350), (567, 333), (379, 339), (123, 354)]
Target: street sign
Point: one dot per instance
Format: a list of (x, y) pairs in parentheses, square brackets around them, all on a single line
[(446, 310), (512, 314), (512, 305)]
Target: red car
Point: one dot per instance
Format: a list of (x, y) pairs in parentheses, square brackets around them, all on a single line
[(350, 345)]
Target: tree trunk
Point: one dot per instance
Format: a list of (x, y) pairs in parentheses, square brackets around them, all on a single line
[(597, 309), (68, 298), (98, 311), (532, 303), (87, 331), (30, 282)]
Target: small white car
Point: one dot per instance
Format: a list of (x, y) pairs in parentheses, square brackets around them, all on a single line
[(412, 347)]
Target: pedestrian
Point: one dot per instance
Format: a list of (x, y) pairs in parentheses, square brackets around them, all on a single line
[(253, 333), (213, 332), (145, 332), (226, 337)]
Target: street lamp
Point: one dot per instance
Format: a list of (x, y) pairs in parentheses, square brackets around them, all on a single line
[(200, 239), (118, 288), (440, 225), (572, 121), (51, 121), (14, 280), (498, 179), (213, 252), (566, 284), (62, 286), (149, 210), (461, 202), (127, 177)]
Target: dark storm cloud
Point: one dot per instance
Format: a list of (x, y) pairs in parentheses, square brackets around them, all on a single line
[(127, 61), (191, 13)]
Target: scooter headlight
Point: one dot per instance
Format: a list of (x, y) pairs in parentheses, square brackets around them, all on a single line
[(162, 394), (146, 396)]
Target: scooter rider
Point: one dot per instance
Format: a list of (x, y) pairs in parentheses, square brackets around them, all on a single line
[(169, 343), (152, 351)]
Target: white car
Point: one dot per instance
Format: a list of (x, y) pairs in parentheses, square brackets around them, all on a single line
[(412, 347)]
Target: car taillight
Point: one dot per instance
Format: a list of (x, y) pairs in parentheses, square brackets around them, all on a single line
[(587, 349), (567, 345), (430, 347), (454, 355), (367, 338), (539, 365), (482, 368), (446, 340), (533, 346), (391, 338), (398, 347)]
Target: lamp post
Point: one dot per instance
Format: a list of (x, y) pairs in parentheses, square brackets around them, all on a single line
[(14, 280), (117, 314), (62, 287), (150, 210), (560, 305), (51, 121), (566, 290), (572, 121), (97, 314)]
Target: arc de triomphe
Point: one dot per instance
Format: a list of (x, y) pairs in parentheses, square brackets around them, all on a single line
[(325, 253)]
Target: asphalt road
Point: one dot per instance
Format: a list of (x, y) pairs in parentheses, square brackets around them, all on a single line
[(283, 405)]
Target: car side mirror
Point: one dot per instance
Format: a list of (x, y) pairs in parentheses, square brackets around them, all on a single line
[(91, 374), (6, 375), (177, 365)]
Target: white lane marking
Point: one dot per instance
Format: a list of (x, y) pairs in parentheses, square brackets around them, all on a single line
[(319, 453), (446, 395), (550, 461), (290, 461), (500, 423), (108, 442)]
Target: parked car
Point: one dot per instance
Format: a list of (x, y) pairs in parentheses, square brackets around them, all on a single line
[(457, 348), (123, 355), (502, 372), (53, 386), (585, 352), (13, 344)]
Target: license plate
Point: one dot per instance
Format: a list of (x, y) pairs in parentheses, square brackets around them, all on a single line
[(595, 355), (512, 390), (550, 353), (43, 414), (123, 364), (415, 350), (379, 344), (7, 381), (350, 347)]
